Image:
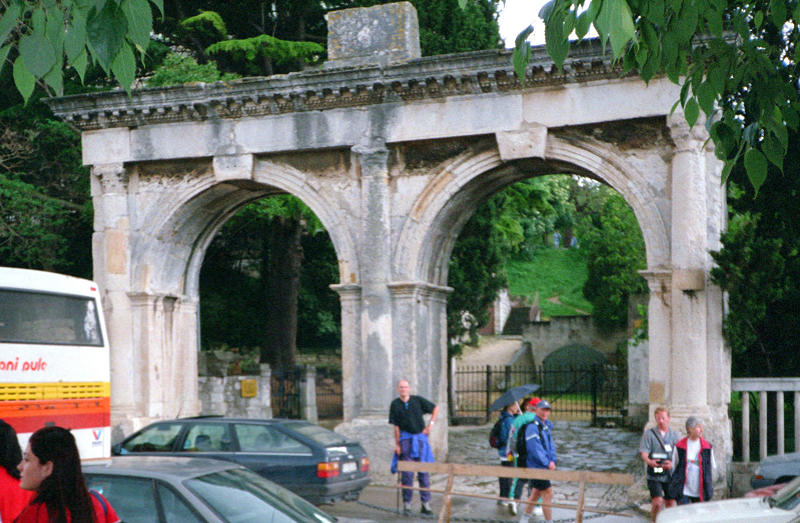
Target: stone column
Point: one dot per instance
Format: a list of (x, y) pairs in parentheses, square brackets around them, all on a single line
[(659, 337), (164, 335), (111, 254), (308, 394), (352, 350), (689, 250), (375, 260), (697, 346), (419, 312)]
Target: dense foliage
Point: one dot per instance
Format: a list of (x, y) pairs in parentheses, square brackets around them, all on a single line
[(759, 267), (736, 61)]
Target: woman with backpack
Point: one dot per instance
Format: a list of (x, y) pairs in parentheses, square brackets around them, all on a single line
[(503, 425)]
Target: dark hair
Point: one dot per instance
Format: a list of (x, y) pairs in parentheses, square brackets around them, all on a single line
[(10, 454), (64, 489)]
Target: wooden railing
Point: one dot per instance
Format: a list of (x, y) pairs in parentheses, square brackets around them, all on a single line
[(763, 386), (455, 469)]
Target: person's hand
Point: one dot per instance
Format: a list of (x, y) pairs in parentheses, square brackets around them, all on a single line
[(397, 449), (551, 466), (666, 464), (426, 430)]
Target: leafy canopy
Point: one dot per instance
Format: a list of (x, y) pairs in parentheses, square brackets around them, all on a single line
[(42, 38), (736, 62)]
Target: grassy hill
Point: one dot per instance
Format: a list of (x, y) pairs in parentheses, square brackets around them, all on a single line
[(558, 275)]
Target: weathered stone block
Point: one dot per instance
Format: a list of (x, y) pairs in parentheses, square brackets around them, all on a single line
[(376, 35)]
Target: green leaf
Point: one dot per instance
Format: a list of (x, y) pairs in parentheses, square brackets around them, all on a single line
[(462, 4), (756, 166), (140, 21), (750, 134), (773, 150), (80, 63), (616, 22), (655, 11), (9, 20), (777, 12), (717, 75), (160, 5), (124, 67), (556, 42), (3, 55), (54, 29), (582, 24), (724, 140), (38, 54), (23, 79), (521, 58), (726, 171), (714, 20), (55, 76), (75, 38), (692, 111), (758, 19), (706, 96), (106, 30), (38, 21)]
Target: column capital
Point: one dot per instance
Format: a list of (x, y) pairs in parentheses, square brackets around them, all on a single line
[(346, 290), (113, 177), (687, 139), (659, 281), (410, 289)]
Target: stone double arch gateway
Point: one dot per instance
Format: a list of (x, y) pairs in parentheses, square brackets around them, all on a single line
[(393, 156)]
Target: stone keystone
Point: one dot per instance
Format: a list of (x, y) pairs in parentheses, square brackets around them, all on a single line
[(378, 35)]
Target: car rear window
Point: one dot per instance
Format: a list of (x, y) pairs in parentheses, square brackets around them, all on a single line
[(319, 434), (242, 496)]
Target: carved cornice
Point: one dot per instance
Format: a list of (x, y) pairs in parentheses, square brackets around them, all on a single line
[(433, 77)]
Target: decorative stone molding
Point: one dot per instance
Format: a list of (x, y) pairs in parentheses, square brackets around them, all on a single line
[(434, 77), (687, 139), (419, 290)]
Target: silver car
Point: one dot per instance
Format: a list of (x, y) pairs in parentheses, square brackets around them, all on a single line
[(147, 489), (776, 469), (781, 507)]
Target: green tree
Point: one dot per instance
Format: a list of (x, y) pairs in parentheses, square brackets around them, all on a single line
[(43, 38), (610, 236), (759, 268), (735, 61)]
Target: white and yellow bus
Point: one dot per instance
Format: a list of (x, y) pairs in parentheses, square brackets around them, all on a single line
[(54, 358)]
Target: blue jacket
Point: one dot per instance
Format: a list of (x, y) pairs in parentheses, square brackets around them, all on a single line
[(420, 446), (541, 450), (505, 429)]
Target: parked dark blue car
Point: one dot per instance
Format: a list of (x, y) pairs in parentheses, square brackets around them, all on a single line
[(311, 461)]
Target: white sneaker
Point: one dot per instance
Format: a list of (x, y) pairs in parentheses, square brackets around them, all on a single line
[(538, 511), (512, 508)]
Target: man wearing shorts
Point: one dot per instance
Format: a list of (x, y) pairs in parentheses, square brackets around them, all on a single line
[(659, 440), (541, 455)]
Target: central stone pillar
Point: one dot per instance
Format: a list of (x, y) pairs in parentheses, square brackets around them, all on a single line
[(696, 304)]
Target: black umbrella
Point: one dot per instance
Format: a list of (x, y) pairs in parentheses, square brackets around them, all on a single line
[(512, 395)]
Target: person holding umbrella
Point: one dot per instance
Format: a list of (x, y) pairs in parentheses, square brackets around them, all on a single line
[(507, 416), (541, 455)]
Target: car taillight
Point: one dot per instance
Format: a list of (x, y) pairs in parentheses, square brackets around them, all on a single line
[(758, 476), (365, 464), (327, 470)]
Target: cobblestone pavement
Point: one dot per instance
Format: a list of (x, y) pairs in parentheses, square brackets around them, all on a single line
[(579, 446)]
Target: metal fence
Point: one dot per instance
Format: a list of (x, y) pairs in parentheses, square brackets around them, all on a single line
[(329, 394), (595, 392), (285, 396)]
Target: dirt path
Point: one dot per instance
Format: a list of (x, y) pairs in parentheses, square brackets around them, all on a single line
[(493, 350)]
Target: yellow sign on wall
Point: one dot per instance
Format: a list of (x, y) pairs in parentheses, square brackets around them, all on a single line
[(249, 388)]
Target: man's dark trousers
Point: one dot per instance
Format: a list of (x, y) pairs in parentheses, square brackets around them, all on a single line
[(408, 477)]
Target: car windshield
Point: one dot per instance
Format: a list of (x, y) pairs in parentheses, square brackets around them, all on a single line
[(319, 434), (788, 497), (243, 496)]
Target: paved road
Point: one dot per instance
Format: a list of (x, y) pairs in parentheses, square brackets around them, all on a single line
[(579, 446)]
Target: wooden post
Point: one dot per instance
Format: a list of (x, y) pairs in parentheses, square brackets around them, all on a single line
[(581, 490), (444, 515)]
